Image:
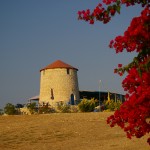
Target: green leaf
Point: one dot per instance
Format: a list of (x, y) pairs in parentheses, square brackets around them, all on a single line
[(109, 8), (140, 72), (118, 2), (118, 9)]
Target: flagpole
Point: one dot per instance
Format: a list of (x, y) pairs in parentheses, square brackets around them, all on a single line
[(99, 96)]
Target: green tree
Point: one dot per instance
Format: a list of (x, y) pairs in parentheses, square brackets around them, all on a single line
[(9, 109)]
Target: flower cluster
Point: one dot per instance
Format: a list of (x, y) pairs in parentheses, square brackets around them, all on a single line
[(136, 37), (134, 114), (99, 13), (104, 14), (127, 2)]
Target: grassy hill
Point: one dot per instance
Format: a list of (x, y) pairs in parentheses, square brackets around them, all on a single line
[(64, 131)]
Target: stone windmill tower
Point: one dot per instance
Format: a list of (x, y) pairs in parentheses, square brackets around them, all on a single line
[(59, 83)]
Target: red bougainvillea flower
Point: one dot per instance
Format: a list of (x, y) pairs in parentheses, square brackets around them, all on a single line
[(119, 65), (135, 111), (91, 21), (112, 11)]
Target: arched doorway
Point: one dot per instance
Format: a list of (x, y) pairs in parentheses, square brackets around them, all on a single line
[(72, 99)]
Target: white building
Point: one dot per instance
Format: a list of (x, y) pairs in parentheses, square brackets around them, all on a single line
[(58, 83)]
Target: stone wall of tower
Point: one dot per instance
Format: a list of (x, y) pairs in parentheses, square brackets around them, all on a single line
[(57, 85)]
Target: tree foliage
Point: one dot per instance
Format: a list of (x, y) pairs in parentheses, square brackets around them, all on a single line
[(32, 107), (87, 105), (112, 105), (64, 108), (134, 113), (46, 109), (9, 109)]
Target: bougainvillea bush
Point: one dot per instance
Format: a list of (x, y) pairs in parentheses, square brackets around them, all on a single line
[(134, 115)]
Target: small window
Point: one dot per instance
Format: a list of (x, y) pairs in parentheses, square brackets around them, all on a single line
[(68, 71), (52, 94)]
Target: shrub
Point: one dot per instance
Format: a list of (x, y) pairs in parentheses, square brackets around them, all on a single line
[(74, 109), (46, 110), (112, 105), (19, 106), (63, 108), (32, 107), (1, 112), (9, 109), (87, 105)]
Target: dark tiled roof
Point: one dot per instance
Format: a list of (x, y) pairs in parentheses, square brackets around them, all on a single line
[(58, 64)]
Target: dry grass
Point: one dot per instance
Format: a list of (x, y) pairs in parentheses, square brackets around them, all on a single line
[(76, 131)]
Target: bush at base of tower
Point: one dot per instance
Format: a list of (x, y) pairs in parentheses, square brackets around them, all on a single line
[(87, 105)]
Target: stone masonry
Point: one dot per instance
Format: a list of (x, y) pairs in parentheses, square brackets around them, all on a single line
[(59, 83)]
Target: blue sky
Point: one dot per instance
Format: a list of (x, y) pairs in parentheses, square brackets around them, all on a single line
[(35, 33)]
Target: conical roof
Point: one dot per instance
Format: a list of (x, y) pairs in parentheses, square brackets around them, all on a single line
[(58, 64)]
